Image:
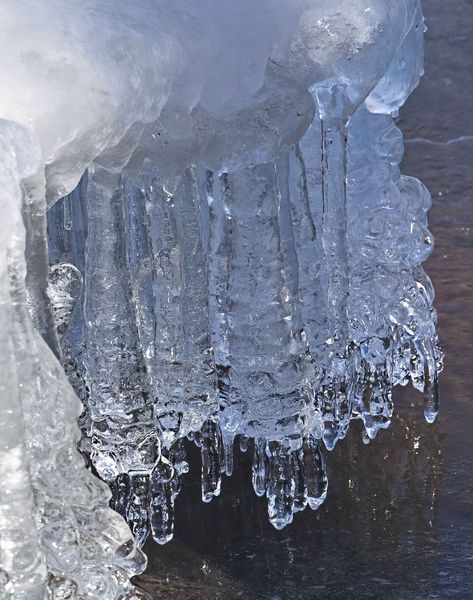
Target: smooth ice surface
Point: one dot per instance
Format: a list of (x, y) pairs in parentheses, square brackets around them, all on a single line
[(232, 249)]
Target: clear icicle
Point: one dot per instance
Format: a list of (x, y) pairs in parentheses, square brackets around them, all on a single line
[(332, 105), (36, 255), (161, 510), (281, 486), (300, 480), (211, 452), (227, 441), (257, 322), (260, 466), (431, 391), (137, 506), (243, 443), (316, 474)]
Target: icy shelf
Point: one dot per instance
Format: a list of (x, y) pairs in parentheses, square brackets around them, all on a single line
[(206, 236)]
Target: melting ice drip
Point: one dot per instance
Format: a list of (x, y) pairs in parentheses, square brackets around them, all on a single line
[(241, 256)]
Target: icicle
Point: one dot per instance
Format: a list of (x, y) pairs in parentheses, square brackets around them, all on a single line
[(315, 472), (121, 494), (67, 219), (243, 443), (336, 409), (281, 486), (332, 109), (431, 392), (123, 432), (378, 400), (138, 505), (161, 510), (227, 441), (177, 456), (181, 364), (377, 406), (211, 452), (64, 289), (304, 181), (257, 323), (300, 491), (260, 466)]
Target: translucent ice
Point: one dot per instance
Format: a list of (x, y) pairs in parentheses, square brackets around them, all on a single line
[(58, 537), (231, 250)]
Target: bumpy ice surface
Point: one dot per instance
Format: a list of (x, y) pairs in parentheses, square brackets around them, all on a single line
[(232, 252)]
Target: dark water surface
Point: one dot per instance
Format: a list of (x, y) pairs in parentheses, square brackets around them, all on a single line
[(397, 523)]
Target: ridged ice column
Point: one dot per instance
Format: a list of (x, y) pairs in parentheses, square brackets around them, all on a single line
[(122, 429), (260, 346)]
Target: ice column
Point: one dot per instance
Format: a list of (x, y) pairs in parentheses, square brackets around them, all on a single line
[(145, 356), (260, 346)]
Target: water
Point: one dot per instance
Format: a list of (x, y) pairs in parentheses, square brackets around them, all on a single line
[(398, 519)]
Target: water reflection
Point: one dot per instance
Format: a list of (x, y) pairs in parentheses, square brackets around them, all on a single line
[(383, 501)]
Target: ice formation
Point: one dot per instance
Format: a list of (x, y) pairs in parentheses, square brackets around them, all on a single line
[(57, 531), (232, 251)]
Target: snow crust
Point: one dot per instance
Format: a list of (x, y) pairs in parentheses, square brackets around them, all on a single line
[(222, 82)]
